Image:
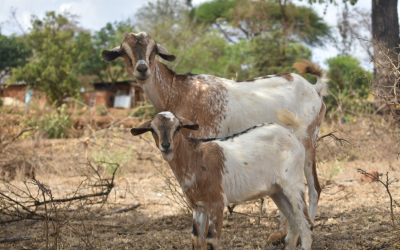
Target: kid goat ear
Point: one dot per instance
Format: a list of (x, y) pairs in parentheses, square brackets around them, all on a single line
[(188, 124), (141, 129)]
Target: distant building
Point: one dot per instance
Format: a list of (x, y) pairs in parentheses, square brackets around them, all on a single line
[(21, 92), (14, 91), (118, 95)]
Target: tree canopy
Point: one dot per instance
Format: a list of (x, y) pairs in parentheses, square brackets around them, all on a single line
[(276, 32), (234, 39), (93, 64), (344, 83), (352, 2), (57, 45), (13, 53)]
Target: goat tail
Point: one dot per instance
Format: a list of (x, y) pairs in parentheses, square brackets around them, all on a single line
[(289, 119), (304, 66)]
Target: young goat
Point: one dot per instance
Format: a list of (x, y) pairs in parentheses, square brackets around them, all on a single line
[(266, 159)]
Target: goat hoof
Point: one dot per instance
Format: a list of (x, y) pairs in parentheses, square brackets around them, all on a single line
[(298, 241), (276, 238)]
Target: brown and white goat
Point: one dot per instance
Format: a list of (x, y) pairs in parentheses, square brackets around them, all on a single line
[(224, 107), (266, 159)]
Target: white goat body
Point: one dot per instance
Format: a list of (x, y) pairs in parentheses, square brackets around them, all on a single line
[(256, 161)]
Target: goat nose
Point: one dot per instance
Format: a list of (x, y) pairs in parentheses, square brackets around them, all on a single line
[(142, 68), (165, 144)]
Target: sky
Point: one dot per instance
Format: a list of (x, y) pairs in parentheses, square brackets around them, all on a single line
[(94, 14)]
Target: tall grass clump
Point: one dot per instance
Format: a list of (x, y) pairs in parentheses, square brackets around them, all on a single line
[(52, 126)]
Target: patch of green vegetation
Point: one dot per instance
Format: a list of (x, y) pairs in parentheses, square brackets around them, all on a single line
[(54, 126), (148, 113)]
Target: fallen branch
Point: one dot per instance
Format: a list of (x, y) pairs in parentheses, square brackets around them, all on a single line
[(121, 210), (70, 199), (16, 137), (96, 225), (257, 216), (347, 180), (22, 206), (346, 196), (14, 239)]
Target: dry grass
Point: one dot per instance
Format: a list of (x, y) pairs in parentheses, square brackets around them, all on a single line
[(350, 215)]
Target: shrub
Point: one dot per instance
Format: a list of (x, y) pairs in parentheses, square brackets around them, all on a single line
[(53, 125), (148, 113), (101, 110), (347, 90)]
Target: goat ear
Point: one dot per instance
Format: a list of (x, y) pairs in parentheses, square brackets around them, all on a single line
[(111, 55), (164, 54), (188, 124), (141, 129)]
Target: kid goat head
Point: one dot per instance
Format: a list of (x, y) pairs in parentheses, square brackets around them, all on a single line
[(139, 52), (164, 128)]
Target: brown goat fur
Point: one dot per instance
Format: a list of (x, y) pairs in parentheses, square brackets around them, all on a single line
[(304, 66)]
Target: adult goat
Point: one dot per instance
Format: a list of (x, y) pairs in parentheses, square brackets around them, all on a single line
[(224, 107)]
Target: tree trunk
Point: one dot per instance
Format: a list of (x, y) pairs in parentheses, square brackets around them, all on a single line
[(385, 30)]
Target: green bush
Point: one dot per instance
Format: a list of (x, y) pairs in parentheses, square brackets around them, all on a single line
[(101, 111), (54, 126), (150, 112), (347, 88)]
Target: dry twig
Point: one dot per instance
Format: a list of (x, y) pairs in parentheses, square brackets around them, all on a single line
[(386, 184)]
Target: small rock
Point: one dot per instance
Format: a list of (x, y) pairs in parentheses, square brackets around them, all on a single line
[(226, 224), (368, 179)]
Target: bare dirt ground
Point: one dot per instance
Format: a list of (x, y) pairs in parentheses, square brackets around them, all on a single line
[(350, 215)]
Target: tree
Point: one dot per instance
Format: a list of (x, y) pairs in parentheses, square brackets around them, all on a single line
[(345, 42), (352, 2), (267, 59), (217, 13), (361, 26), (354, 29), (13, 53), (385, 30), (252, 18), (344, 84), (197, 48), (57, 46), (278, 31), (196, 36), (275, 30), (106, 37)]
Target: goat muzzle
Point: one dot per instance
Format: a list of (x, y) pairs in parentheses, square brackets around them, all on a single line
[(142, 69)]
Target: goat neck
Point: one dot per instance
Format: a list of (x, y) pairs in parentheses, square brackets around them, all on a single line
[(158, 86), (184, 152)]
